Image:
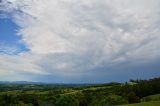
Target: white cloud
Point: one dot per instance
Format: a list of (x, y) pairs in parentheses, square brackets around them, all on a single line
[(12, 66), (70, 35)]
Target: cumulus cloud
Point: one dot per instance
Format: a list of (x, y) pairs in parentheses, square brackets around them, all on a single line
[(70, 36)]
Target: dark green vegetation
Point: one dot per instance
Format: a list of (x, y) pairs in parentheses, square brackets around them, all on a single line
[(111, 94), (152, 103)]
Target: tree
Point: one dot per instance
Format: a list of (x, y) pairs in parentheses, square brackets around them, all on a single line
[(132, 98)]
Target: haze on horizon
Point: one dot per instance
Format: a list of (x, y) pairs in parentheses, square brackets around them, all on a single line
[(79, 41)]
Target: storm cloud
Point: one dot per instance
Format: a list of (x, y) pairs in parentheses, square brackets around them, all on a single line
[(77, 38)]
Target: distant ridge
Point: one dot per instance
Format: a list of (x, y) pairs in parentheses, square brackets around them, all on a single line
[(46, 83), (21, 82)]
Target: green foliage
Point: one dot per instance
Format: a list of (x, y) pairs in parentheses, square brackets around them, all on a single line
[(67, 100), (75, 95), (142, 88), (132, 98), (151, 98), (157, 103), (113, 100)]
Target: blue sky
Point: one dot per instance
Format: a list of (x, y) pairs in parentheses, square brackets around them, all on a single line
[(87, 41), (9, 37)]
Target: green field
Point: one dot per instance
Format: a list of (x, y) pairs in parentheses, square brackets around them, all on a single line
[(155, 97), (153, 103)]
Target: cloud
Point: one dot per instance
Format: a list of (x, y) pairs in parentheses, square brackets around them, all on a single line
[(14, 67), (72, 36), (8, 49)]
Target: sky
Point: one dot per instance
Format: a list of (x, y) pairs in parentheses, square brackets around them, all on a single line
[(79, 41)]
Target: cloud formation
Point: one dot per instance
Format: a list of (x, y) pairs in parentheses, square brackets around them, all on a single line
[(70, 37)]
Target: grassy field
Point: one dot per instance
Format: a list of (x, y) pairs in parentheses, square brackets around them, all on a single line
[(151, 98), (153, 103)]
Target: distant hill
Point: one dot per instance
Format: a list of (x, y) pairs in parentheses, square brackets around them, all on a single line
[(46, 83)]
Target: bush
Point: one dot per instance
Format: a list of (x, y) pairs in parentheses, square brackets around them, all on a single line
[(132, 98), (113, 100)]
